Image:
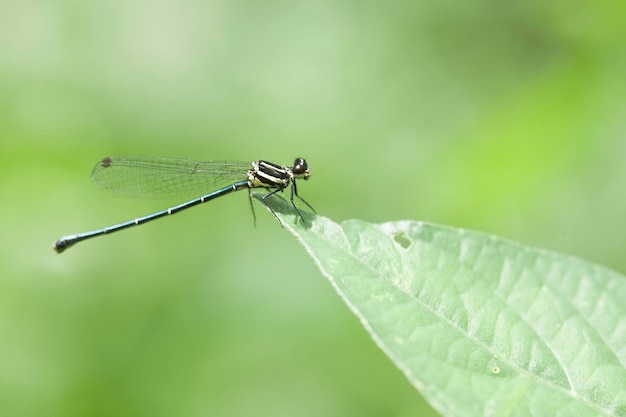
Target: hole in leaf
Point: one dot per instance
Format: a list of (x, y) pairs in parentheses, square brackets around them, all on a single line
[(400, 238)]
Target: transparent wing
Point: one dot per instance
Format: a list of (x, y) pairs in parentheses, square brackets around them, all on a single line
[(156, 177)]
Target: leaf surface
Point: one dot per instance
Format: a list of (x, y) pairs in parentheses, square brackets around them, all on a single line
[(481, 326)]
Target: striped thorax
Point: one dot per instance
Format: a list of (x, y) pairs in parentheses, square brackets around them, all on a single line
[(269, 175)]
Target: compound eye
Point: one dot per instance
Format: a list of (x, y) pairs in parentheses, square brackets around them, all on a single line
[(300, 166), (301, 169)]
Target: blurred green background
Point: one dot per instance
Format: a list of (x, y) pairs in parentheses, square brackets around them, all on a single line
[(503, 117)]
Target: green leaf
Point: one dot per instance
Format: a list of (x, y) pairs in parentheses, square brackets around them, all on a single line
[(481, 326)]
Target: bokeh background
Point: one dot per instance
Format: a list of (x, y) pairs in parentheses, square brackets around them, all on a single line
[(504, 117)]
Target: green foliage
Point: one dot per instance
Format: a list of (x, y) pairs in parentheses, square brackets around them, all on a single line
[(480, 325)]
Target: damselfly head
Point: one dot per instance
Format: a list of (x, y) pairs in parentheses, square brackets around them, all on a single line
[(301, 169)]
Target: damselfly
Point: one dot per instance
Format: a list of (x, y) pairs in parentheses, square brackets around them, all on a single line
[(161, 177)]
